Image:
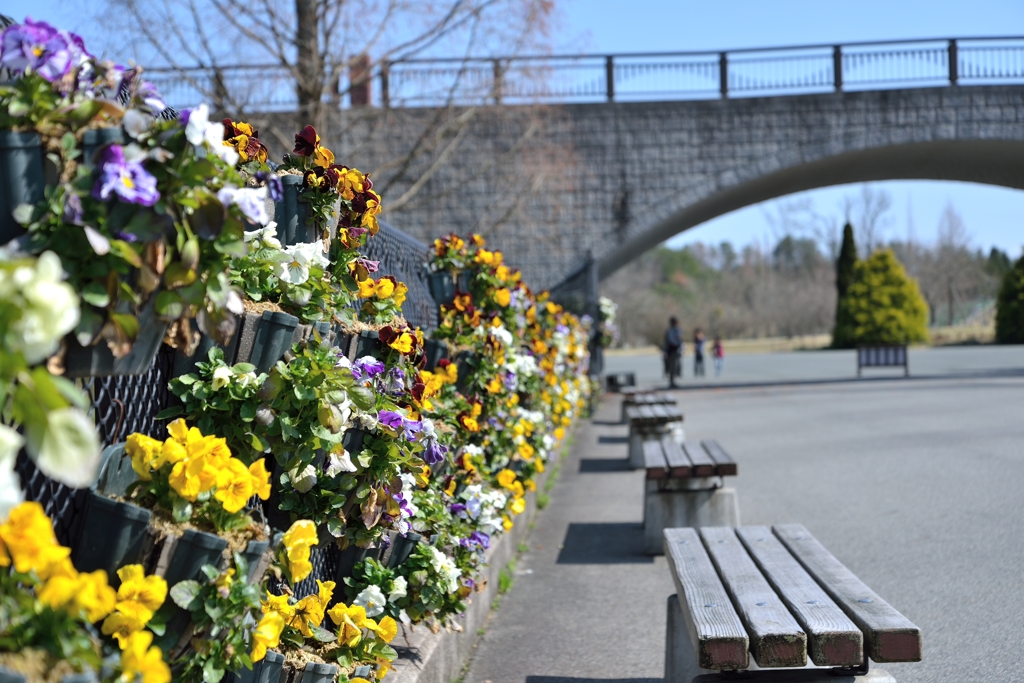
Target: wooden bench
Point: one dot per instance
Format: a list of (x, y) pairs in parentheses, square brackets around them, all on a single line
[(650, 422), (642, 397), (883, 356), (616, 381), (684, 488), (779, 598)]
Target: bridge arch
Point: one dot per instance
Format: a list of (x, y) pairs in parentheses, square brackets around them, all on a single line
[(988, 161)]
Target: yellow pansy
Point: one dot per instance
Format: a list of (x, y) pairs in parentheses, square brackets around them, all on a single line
[(387, 629), (145, 453), (403, 343), (322, 156), (139, 596), (267, 634), (31, 543), (495, 385), (308, 611), (559, 433), (526, 451), (279, 604), (503, 297), (518, 505), (185, 478), (401, 291), (385, 288), (260, 478), (506, 478), (178, 431), (138, 659), (324, 591), (224, 581), (173, 452), (351, 621), (121, 626), (539, 464), (297, 541), (506, 522), (530, 485), (234, 486), (516, 489), (95, 596), (367, 288)]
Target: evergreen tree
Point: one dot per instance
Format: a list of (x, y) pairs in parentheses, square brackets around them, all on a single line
[(882, 305), (844, 264), (844, 274), (1010, 306)]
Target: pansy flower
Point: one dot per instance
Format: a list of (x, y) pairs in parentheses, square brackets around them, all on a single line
[(245, 140), (126, 180)]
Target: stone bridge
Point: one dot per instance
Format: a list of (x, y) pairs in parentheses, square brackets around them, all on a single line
[(554, 184)]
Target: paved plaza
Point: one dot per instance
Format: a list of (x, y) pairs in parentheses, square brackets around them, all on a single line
[(915, 484)]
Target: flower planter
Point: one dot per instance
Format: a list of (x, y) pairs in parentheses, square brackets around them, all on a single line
[(369, 344), (184, 364), (93, 139), (21, 178), (292, 215), (435, 350), (402, 547), (98, 361), (267, 670), (8, 676), (466, 362), (325, 332), (443, 285), (264, 339), (349, 558), (352, 442)]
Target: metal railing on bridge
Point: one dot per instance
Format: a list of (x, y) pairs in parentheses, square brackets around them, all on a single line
[(620, 78)]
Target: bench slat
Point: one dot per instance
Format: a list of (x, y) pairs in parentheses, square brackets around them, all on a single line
[(776, 639), (678, 463), (701, 463), (725, 466), (891, 637), (716, 632), (654, 460), (832, 639)]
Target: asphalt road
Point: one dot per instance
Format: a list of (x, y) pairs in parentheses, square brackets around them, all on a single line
[(816, 366), (917, 486)]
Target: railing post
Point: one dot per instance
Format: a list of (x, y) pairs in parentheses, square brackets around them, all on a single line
[(497, 81), (385, 93), (609, 77), (837, 67), (723, 74), (954, 63)]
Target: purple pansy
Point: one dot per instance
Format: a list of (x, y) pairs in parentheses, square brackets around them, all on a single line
[(390, 419), (395, 381), (434, 452), (411, 428), (37, 46), (371, 266), (457, 508), (73, 211), (510, 380), (273, 184), (477, 540), (127, 180), (367, 367)]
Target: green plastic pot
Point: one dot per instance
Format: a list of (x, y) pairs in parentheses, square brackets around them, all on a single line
[(8, 676), (194, 549), (442, 287), (345, 341), (21, 178), (369, 344), (113, 534), (325, 332), (185, 364), (272, 339), (292, 215), (402, 547), (350, 557), (267, 670), (466, 363), (319, 673), (97, 360), (93, 140), (435, 350)]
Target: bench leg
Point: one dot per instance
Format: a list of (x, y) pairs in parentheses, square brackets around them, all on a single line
[(636, 449), (674, 509), (680, 659)]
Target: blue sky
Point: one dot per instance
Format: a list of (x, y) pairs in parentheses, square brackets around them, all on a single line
[(993, 216)]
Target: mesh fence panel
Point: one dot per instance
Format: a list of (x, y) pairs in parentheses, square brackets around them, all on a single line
[(123, 405)]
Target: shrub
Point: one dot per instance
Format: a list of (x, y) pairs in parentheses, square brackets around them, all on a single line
[(1010, 306), (882, 305)]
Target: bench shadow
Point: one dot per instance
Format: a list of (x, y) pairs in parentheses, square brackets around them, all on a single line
[(613, 439), (569, 679), (607, 423), (603, 465), (604, 543)]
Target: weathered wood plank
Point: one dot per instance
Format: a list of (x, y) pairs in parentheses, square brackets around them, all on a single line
[(645, 412), (725, 466), (654, 460), (890, 636), (678, 463), (832, 639), (717, 634), (701, 463), (776, 639)]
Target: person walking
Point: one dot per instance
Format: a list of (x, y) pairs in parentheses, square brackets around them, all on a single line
[(718, 351), (698, 353), (673, 352)]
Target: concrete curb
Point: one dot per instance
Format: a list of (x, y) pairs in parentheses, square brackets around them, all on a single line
[(426, 657)]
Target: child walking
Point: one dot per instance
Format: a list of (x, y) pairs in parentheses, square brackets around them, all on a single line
[(718, 352)]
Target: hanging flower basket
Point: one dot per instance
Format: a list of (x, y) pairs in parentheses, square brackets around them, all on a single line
[(93, 139), (264, 339), (21, 178), (436, 350), (273, 669), (8, 676), (443, 284), (97, 360)]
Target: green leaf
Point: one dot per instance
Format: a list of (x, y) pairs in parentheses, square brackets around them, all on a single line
[(214, 610), (181, 510), (362, 397), (169, 305), (212, 674), (185, 592), (322, 634), (127, 323), (96, 294), (212, 573), (168, 413)]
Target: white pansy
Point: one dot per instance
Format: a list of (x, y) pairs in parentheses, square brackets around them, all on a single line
[(136, 123), (313, 253), (303, 481), (503, 335), (244, 379), (399, 589), (264, 238), (338, 463), (70, 448), (222, 377), (10, 487), (372, 600), (403, 617), (200, 129), (49, 307), (293, 267)]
